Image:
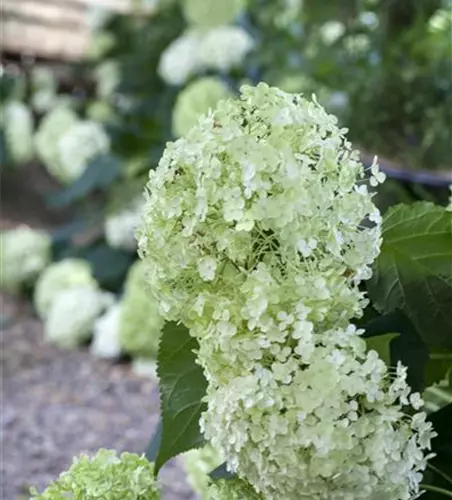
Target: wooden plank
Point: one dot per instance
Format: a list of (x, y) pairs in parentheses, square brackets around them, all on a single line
[(51, 29)]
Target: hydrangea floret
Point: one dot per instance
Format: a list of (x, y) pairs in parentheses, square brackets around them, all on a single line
[(259, 227), (24, 254), (105, 475), (73, 313), (208, 13), (195, 101), (140, 321), (60, 276)]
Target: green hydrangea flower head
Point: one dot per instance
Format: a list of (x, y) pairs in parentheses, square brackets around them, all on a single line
[(196, 100), (105, 476), (52, 128), (17, 123), (60, 276), (231, 489), (198, 464), (207, 13), (24, 253), (141, 323)]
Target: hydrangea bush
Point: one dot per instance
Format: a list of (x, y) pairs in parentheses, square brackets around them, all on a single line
[(258, 231)]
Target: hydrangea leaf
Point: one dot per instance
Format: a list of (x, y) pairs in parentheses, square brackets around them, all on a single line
[(414, 269), (182, 388), (99, 174)]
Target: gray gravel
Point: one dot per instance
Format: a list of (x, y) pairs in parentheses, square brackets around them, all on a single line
[(56, 404)]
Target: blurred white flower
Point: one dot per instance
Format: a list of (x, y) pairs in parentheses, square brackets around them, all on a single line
[(51, 129), (73, 313), (179, 61), (331, 31), (17, 122), (195, 101), (224, 47), (24, 253), (120, 227), (60, 276), (105, 342), (79, 145)]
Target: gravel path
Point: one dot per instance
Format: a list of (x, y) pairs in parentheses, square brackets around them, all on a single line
[(56, 404)]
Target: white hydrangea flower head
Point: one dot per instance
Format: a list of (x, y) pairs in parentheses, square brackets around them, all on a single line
[(140, 322), (18, 126), (326, 413), (105, 475), (223, 48), (79, 145), (105, 342), (44, 89), (60, 276), (198, 463), (180, 60), (208, 13), (195, 101), (24, 254), (120, 226), (258, 205), (51, 129), (73, 313), (231, 489)]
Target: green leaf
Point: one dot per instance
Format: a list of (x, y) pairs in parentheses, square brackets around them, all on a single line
[(381, 344), (406, 346), (439, 367), (154, 445), (182, 388), (99, 174), (414, 269)]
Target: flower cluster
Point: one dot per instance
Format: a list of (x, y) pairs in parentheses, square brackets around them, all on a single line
[(220, 48), (207, 13), (140, 321), (258, 229), (17, 122), (105, 475), (51, 129), (73, 313), (24, 254), (120, 226), (56, 278), (196, 100)]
